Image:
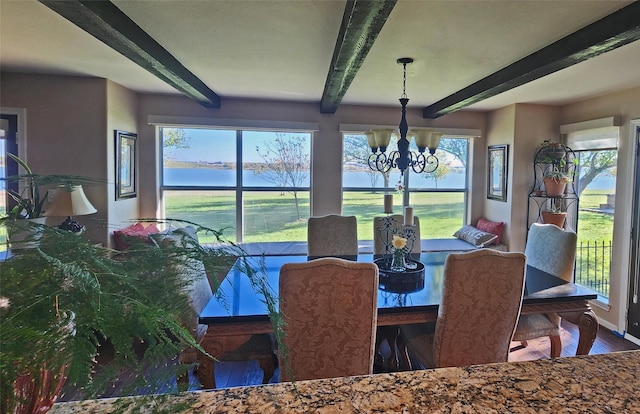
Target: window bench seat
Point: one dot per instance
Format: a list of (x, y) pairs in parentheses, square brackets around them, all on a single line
[(364, 246)]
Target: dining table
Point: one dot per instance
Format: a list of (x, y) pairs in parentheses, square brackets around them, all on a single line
[(238, 311)]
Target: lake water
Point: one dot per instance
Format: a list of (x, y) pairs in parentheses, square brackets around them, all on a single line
[(213, 177)]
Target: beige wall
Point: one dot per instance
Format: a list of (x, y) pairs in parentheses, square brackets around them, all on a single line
[(66, 123), (122, 109), (626, 105), (523, 127)]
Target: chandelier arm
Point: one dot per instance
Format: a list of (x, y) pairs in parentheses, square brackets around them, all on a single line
[(380, 162), (418, 162), (432, 163)]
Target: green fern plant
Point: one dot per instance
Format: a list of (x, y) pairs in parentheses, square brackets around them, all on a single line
[(134, 304)]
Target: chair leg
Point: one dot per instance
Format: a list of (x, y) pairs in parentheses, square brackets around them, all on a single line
[(556, 346), (523, 344), (403, 350)]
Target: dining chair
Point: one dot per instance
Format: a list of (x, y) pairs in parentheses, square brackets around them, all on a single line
[(481, 299), (552, 250), (385, 227), (332, 235), (329, 310)]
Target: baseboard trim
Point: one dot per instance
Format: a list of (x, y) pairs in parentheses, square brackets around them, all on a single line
[(632, 339)]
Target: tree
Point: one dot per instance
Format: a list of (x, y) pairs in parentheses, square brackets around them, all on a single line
[(457, 147), (174, 138), (439, 173), (357, 151), (286, 163), (594, 163)]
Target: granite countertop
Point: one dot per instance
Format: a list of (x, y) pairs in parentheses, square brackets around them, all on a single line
[(595, 384)]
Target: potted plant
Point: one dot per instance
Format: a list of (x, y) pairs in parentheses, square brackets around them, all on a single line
[(555, 181), (557, 173), (554, 216), (68, 302)]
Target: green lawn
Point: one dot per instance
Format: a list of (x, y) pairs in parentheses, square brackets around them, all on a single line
[(272, 216)]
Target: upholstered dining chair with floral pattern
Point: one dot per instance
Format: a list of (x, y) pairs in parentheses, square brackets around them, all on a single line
[(329, 308), (385, 227), (481, 300), (552, 250), (332, 235)]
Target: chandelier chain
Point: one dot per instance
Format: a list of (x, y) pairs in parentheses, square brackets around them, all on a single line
[(404, 81)]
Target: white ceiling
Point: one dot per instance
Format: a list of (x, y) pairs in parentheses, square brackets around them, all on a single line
[(282, 49)]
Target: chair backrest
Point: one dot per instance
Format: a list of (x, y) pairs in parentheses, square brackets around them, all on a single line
[(385, 227), (329, 307), (551, 249), (481, 299), (332, 235)]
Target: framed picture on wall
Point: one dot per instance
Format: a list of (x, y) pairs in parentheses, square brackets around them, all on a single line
[(126, 164), (497, 172)]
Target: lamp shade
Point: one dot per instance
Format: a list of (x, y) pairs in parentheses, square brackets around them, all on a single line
[(434, 141), (70, 201), (371, 140), (383, 137), (422, 137)]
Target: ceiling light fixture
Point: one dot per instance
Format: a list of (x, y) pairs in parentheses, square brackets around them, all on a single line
[(403, 157)]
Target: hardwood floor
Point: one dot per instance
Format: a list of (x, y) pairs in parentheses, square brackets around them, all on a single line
[(242, 373), (234, 374)]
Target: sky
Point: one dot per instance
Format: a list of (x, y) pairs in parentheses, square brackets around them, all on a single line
[(212, 145)]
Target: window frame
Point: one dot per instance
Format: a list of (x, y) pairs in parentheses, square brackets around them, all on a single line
[(409, 189), (239, 188)]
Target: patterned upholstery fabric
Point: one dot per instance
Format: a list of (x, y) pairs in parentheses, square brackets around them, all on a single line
[(481, 300), (382, 240), (332, 235), (553, 250), (329, 306)]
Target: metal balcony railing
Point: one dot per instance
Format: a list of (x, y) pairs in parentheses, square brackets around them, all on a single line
[(593, 265)]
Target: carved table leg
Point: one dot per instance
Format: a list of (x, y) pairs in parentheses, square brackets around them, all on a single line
[(588, 326), (268, 366), (216, 346)]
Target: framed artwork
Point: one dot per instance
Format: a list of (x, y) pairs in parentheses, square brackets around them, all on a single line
[(126, 164), (497, 172)]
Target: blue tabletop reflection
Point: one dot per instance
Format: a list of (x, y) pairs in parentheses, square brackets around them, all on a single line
[(241, 302)]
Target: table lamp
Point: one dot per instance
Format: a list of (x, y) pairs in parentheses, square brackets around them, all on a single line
[(69, 201)]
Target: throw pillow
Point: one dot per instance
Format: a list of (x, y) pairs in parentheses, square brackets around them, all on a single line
[(474, 236), (122, 238), (493, 227)]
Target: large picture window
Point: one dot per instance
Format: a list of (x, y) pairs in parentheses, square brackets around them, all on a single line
[(438, 198), (253, 184)]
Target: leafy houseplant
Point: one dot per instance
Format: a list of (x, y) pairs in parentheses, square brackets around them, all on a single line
[(556, 177), (67, 302)]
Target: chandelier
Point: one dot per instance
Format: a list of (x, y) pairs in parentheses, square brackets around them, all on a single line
[(403, 158)]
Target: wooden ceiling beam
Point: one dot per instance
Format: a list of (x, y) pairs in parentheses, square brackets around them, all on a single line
[(615, 30), (109, 24), (361, 23)]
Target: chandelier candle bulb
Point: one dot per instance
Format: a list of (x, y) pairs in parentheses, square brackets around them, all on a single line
[(388, 203), (408, 216)]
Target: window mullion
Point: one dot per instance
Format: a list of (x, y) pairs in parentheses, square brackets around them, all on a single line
[(239, 193)]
